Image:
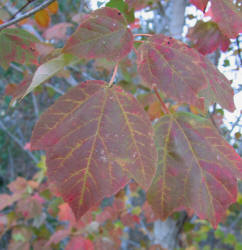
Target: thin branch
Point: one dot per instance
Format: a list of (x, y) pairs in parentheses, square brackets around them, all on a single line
[(235, 124), (164, 108), (57, 90), (239, 50), (142, 35), (211, 116), (113, 76), (35, 104), (27, 14), (21, 9), (140, 86), (11, 165), (14, 138)]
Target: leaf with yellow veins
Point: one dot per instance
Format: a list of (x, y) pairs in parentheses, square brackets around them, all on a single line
[(96, 139), (197, 169)]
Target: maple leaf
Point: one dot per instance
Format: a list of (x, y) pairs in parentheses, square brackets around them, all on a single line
[(207, 37), (182, 72), (8, 200), (197, 169), (20, 238), (96, 139), (53, 7), (17, 45), (200, 4), (57, 31), (58, 236), (66, 214), (139, 4), (103, 33), (173, 67), (29, 207), (78, 242), (227, 16), (219, 88), (42, 18)]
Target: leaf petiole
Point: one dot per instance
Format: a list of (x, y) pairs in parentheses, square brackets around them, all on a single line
[(164, 108), (142, 35), (110, 84)]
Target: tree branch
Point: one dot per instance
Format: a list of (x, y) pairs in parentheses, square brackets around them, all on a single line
[(27, 14), (14, 138), (239, 50), (21, 9)]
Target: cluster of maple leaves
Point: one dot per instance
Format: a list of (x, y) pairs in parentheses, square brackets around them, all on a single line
[(97, 137), (36, 207)]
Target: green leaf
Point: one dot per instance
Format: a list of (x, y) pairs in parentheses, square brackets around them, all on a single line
[(219, 234), (238, 246), (230, 239), (49, 69), (118, 4), (42, 74), (18, 237)]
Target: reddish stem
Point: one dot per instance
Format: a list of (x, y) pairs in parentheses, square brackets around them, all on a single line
[(113, 76), (164, 108), (142, 35)]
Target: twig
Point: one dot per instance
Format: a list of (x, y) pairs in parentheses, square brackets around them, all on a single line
[(27, 14), (229, 229), (14, 138), (11, 165), (57, 90), (21, 9), (235, 124), (142, 35), (140, 86), (165, 109), (211, 116), (71, 81), (113, 76), (239, 50), (35, 104)]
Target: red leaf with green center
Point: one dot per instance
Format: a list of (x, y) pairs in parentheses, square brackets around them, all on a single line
[(200, 4), (103, 33), (96, 139), (227, 16), (197, 169), (207, 37), (17, 45), (173, 67)]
